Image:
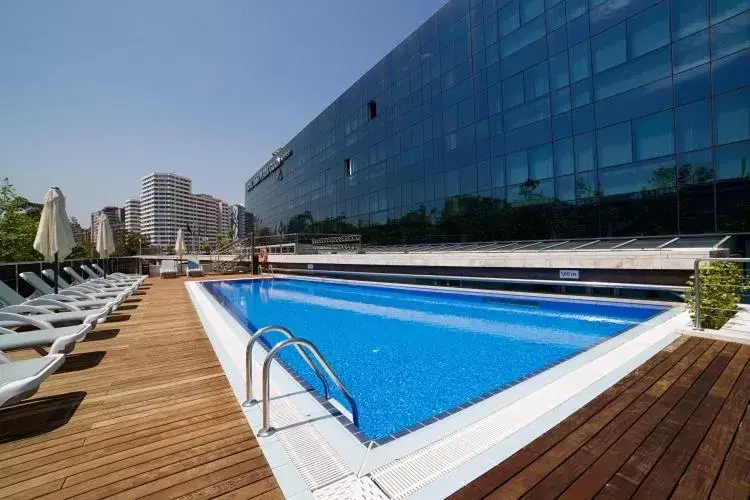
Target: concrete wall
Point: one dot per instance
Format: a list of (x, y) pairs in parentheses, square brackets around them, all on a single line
[(677, 260)]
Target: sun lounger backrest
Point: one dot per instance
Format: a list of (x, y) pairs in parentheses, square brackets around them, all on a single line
[(50, 275), (77, 277), (37, 282), (168, 266), (98, 269), (8, 296), (91, 273)]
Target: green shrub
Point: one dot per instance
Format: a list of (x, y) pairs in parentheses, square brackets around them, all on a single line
[(721, 287)]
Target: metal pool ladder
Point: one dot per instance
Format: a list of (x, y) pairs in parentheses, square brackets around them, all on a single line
[(267, 430), (249, 399)]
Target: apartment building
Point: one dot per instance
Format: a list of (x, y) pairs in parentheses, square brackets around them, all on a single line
[(116, 216), (168, 204), (132, 216)]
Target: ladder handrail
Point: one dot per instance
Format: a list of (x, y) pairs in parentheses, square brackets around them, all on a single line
[(266, 430), (249, 399)]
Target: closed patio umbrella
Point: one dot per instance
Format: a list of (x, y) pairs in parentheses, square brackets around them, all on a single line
[(179, 245), (54, 236), (105, 243)]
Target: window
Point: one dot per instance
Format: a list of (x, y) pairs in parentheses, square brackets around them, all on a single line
[(509, 19), (609, 49), (654, 136), (372, 110), (691, 51), (559, 70), (565, 188), (695, 168), (513, 92), (693, 125), (730, 36), (536, 81), (556, 17), (517, 168), (561, 101), (575, 8), (348, 167), (530, 9), (580, 93), (580, 62), (465, 112), (469, 179), (450, 118), (637, 178), (628, 76), (528, 113), (522, 37), (540, 162), (723, 9), (564, 157), (614, 145), (732, 116), (584, 152), (497, 168), (648, 30), (693, 85), (688, 16), (733, 161), (495, 99)]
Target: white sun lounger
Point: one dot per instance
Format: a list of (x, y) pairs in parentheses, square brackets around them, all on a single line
[(194, 268), (168, 268), (92, 316), (80, 291), (21, 379), (119, 276), (53, 302), (100, 286), (60, 340)]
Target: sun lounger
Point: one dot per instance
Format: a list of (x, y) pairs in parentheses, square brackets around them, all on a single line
[(194, 268), (95, 286), (101, 282), (92, 316), (10, 297), (60, 340), (168, 268), (21, 379), (119, 276), (81, 291)]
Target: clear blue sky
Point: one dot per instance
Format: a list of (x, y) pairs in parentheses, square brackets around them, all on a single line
[(94, 94)]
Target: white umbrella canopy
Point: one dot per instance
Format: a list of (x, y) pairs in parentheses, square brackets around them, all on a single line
[(54, 236), (105, 242), (179, 244)]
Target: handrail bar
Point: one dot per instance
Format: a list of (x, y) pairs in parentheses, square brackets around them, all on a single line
[(266, 430), (249, 399), (696, 282), (592, 284)]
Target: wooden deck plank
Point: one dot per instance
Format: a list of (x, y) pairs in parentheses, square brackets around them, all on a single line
[(645, 439), (698, 480), (141, 408), (734, 479)]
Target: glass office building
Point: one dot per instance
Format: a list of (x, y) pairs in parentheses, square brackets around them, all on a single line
[(530, 119)]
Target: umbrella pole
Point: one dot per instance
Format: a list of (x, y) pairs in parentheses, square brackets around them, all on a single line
[(57, 273)]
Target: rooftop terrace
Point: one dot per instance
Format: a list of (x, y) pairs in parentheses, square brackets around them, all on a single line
[(142, 408)]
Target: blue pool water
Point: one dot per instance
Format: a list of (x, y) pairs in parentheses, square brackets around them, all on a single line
[(408, 355)]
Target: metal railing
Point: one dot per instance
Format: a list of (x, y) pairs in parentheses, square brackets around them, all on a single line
[(249, 399), (267, 430), (697, 286), (9, 271)]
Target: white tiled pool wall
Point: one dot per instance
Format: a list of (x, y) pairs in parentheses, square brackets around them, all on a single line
[(306, 457)]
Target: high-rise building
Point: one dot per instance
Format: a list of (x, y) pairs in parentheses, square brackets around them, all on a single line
[(237, 222), (168, 204), (528, 120), (116, 216), (132, 216)]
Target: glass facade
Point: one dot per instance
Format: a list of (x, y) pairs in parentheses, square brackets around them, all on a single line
[(532, 119)]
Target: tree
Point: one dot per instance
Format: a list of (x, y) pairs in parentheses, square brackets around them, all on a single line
[(206, 246), (222, 240), (17, 226)]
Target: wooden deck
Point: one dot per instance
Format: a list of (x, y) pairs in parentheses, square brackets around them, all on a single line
[(142, 408), (677, 427)]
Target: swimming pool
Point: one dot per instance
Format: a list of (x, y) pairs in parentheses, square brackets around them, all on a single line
[(412, 356)]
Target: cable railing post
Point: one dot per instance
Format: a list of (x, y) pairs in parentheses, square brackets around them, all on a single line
[(697, 296)]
